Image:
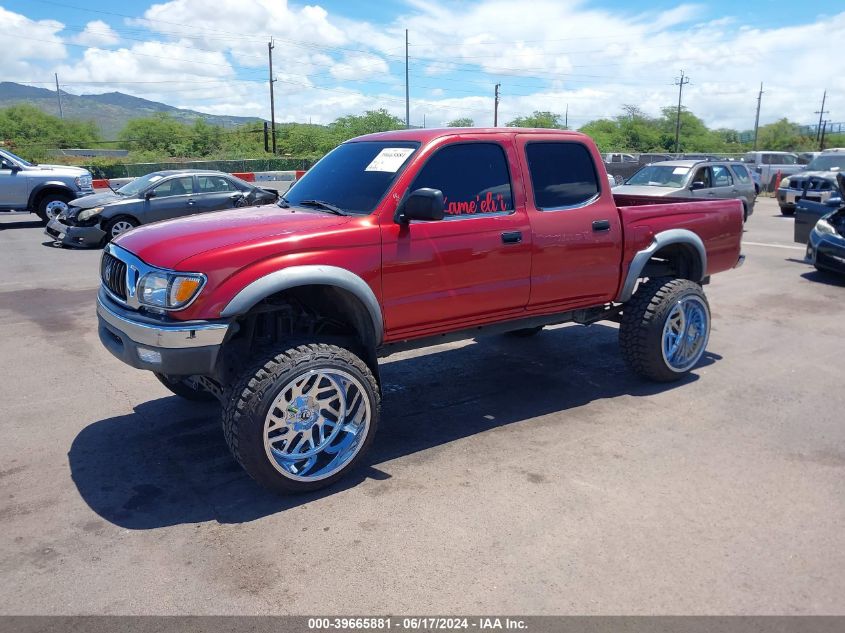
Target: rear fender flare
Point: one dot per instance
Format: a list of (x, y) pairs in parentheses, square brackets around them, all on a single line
[(316, 275), (661, 240)]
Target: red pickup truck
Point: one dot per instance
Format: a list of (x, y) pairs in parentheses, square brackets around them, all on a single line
[(398, 240)]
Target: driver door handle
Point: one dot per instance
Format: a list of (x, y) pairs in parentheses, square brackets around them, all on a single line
[(191, 201)]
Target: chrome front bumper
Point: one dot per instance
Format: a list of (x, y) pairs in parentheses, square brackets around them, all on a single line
[(172, 348)]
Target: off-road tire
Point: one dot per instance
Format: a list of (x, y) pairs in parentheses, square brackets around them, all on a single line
[(41, 211), (641, 327), (179, 388), (248, 402)]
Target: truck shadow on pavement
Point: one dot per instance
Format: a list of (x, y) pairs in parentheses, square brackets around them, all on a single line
[(167, 463), (824, 277)]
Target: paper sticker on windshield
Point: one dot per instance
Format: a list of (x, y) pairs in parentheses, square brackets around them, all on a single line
[(390, 159), (680, 170)]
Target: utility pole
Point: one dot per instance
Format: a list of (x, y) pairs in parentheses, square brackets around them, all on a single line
[(407, 98), (496, 106), (566, 118), (266, 137), (757, 117), (272, 97), (59, 97), (821, 114), (680, 83), (824, 129)]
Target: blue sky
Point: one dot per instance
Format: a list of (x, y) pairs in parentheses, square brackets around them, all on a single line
[(334, 58)]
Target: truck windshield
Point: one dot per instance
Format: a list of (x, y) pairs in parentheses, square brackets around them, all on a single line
[(660, 176), (354, 176), (828, 162), (14, 157)]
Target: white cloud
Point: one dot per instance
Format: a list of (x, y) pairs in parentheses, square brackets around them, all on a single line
[(558, 53), (96, 33), (359, 66)]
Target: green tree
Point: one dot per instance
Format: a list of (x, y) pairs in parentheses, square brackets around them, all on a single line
[(461, 122), (160, 134), (32, 133), (371, 121), (538, 119), (205, 139), (783, 135)]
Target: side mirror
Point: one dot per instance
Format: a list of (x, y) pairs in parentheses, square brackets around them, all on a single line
[(697, 185), (150, 194), (423, 204)]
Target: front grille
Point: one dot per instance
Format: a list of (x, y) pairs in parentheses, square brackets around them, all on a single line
[(113, 274)]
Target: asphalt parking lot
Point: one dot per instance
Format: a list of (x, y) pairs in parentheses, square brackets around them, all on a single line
[(509, 476)]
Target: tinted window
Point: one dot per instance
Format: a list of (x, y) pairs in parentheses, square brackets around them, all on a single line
[(215, 184), (473, 177), (741, 173), (703, 175), (353, 176), (562, 174), (175, 187), (721, 176)]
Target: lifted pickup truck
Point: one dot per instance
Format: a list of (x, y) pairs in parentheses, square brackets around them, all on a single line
[(394, 241)]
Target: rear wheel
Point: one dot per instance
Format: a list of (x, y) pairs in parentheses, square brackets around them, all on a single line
[(119, 225), (785, 211), (51, 205), (303, 418), (665, 328)]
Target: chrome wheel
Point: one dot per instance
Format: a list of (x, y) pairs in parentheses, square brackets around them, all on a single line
[(685, 333), (55, 208), (317, 424), (121, 226)]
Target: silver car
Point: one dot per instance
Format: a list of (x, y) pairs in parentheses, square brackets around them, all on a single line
[(693, 179)]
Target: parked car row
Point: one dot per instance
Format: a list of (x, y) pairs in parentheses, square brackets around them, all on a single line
[(162, 195), (816, 183), (821, 226), (706, 179)]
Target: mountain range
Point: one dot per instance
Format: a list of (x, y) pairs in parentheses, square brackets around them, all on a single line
[(110, 110)]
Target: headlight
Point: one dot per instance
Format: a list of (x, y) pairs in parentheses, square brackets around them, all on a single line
[(84, 182), (87, 214), (784, 183), (169, 291), (825, 228)]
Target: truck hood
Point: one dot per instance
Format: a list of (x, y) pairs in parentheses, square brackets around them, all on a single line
[(165, 244), (646, 190), (830, 175), (66, 170)]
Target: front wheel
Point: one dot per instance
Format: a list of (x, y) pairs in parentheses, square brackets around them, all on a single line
[(665, 328), (303, 418), (118, 226), (786, 211), (51, 206)]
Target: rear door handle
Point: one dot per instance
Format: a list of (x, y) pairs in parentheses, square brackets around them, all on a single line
[(601, 225), (512, 237), (191, 201)]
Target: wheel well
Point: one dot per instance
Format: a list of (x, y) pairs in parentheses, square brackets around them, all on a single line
[(675, 260), (121, 216), (303, 314), (39, 195)]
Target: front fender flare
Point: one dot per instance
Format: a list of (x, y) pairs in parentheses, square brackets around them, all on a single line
[(315, 275), (662, 239)]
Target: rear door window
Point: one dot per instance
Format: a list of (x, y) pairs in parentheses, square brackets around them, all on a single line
[(741, 173), (215, 184), (721, 176), (562, 174), (473, 177)]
